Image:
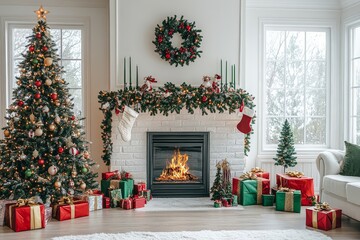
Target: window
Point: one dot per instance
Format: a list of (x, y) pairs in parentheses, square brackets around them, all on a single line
[(296, 83), (68, 41), (355, 84)]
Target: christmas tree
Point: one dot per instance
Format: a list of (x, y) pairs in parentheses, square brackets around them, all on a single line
[(226, 175), (285, 155), (217, 189), (44, 152)]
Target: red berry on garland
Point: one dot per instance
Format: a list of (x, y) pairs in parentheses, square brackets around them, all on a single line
[(38, 35), (44, 48), (167, 56), (72, 117), (188, 28), (20, 103), (171, 32), (37, 95), (53, 96), (37, 83), (41, 161), (60, 150), (159, 39), (204, 99), (181, 26), (31, 48)]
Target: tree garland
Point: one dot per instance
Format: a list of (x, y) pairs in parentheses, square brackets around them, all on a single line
[(188, 51), (170, 99)]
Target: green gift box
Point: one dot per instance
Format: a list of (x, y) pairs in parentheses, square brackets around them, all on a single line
[(106, 184), (146, 194), (268, 200), (217, 204), (248, 192), (115, 197), (235, 200), (127, 187), (288, 201)]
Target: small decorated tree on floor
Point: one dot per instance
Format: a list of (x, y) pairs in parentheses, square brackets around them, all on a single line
[(217, 189), (285, 155), (226, 176), (44, 152)]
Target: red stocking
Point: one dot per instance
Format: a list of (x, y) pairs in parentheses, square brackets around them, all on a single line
[(244, 124)]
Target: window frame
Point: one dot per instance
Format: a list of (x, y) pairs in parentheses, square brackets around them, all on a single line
[(352, 132), (264, 148), (74, 23)]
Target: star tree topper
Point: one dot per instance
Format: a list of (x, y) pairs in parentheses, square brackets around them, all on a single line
[(41, 13)]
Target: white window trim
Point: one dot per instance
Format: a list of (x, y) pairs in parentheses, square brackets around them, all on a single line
[(333, 97), (78, 23)]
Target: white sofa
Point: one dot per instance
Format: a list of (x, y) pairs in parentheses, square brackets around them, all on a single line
[(339, 191)]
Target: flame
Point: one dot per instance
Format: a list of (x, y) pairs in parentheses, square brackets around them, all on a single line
[(177, 169)]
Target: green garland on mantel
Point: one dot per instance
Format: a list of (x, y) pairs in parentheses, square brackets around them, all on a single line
[(170, 99)]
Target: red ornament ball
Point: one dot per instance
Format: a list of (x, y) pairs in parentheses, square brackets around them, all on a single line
[(60, 150), (37, 95), (167, 56), (72, 118), (204, 99), (44, 48), (41, 161), (38, 35), (38, 83), (31, 48), (20, 103), (53, 96)]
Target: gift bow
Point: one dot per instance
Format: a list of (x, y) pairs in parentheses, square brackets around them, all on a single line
[(248, 175), (26, 202), (257, 170), (65, 200), (285, 189), (295, 174), (323, 206)]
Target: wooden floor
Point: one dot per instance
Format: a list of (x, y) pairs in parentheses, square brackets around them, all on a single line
[(118, 220)]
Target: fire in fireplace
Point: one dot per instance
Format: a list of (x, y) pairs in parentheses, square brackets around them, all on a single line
[(178, 164)]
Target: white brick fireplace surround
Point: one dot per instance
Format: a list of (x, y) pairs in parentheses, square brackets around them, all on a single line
[(225, 140)]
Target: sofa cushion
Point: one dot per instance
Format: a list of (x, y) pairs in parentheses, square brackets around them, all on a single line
[(351, 161), (336, 184), (353, 192)]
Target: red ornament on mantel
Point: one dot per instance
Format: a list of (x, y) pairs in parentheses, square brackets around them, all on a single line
[(72, 118), (53, 96), (38, 35), (37, 83), (159, 39), (204, 99), (188, 28), (31, 48), (167, 56), (44, 48)]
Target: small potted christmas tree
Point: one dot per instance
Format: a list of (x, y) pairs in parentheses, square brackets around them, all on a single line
[(217, 189), (285, 155)]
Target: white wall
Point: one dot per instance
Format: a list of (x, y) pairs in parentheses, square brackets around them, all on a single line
[(93, 14), (135, 22)]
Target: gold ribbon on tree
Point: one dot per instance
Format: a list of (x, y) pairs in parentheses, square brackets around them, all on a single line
[(323, 207), (35, 211), (295, 174)]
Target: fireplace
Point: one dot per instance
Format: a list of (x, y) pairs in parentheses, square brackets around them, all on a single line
[(178, 164)]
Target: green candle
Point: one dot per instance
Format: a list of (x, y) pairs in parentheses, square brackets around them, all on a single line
[(226, 74), (124, 72), (232, 76), (130, 73), (137, 76), (221, 74)]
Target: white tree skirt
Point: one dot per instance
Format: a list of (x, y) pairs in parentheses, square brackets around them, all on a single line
[(205, 235), (183, 204)]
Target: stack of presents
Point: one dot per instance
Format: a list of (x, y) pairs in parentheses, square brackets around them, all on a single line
[(292, 191), (117, 190)]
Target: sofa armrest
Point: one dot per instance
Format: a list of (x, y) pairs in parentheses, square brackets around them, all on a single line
[(328, 163)]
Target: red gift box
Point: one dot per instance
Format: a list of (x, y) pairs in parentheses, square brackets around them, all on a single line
[(106, 202), (27, 217), (226, 202), (324, 220), (304, 184), (68, 211), (139, 187), (114, 174), (126, 203), (139, 202)]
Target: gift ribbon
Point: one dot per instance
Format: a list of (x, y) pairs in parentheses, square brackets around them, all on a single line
[(323, 207), (289, 201), (114, 184), (248, 176), (257, 170), (65, 201), (259, 191), (295, 174)]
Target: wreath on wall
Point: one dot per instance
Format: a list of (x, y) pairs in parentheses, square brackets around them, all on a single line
[(191, 37)]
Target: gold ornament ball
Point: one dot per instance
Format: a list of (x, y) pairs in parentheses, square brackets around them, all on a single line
[(52, 127), (57, 184), (18, 82), (32, 117), (6, 133), (83, 186), (86, 155), (48, 61), (74, 173), (48, 82), (38, 132)]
